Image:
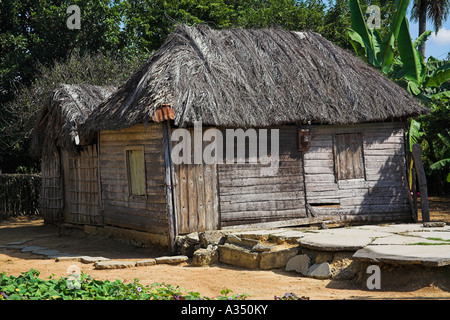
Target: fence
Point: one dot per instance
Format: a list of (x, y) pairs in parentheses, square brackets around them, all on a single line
[(19, 194)]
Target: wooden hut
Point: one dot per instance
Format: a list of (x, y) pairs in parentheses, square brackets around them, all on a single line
[(340, 124), (70, 189)]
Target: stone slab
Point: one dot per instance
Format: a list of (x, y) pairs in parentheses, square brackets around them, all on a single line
[(320, 271), (89, 259), (113, 264), (238, 256), (427, 255), (397, 239), (340, 239), (442, 235), (148, 262), (171, 259), (276, 259), (299, 263)]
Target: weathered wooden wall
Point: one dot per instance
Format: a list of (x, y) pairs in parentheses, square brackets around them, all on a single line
[(145, 213), (247, 197), (381, 195), (52, 201)]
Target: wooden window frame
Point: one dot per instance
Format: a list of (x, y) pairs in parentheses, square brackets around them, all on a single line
[(336, 161), (127, 164)]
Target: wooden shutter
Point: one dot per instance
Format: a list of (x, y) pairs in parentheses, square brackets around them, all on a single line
[(136, 171), (348, 156)]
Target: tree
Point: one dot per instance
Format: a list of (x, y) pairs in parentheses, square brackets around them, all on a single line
[(435, 10)]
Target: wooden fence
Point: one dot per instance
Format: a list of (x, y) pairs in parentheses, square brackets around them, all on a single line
[(19, 194)]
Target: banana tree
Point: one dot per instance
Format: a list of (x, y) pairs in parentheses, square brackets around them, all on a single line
[(408, 68)]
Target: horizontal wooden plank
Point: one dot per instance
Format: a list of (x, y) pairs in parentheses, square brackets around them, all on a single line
[(293, 195), (254, 216), (260, 189), (261, 205), (231, 182)]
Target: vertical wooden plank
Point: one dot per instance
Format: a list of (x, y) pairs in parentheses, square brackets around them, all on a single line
[(184, 196), (169, 189), (200, 193), (193, 197)]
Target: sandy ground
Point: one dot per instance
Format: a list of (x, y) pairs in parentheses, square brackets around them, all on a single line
[(396, 282)]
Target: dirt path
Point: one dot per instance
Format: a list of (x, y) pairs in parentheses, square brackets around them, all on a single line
[(396, 283)]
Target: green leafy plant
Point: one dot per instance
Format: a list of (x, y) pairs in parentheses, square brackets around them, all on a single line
[(29, 286)]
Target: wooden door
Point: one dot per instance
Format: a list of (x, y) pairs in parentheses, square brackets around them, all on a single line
[(196, 197)]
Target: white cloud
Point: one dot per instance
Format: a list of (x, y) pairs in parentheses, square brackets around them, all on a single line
[(442, 39)]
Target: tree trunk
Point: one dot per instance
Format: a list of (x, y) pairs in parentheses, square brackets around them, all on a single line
[(422, 23)]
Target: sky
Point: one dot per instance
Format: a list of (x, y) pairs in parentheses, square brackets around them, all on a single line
[(437, 45)]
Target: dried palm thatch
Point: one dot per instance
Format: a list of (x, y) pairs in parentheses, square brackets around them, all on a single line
[(253, 78), (67, 108)]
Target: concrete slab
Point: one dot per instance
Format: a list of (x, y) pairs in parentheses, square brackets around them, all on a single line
[(401, 228), (397, 239), (345, 239), (427, 255), (441, 235)]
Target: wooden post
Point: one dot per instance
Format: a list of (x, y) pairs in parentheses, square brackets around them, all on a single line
[(168, 183), (417, 155)]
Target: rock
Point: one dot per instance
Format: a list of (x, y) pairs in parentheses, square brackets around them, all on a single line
[(343, 267), (205, 257), (188, 248), (111, 264), (319, 271), (233, 239), (259, 247), (213, 237), (88, 259), (238, 256), (171, 259), (434, 224), (142, 263), (299, 263), (276, 259)]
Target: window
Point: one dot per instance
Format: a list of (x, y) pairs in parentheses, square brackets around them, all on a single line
[(348, 156), (136, 170)]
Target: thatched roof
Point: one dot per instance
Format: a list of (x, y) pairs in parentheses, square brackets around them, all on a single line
[(246, 78), (67, 108)]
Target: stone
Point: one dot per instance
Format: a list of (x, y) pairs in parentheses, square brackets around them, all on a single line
[(233, 239), (213, 237), (171, 259), (148, 262), (89, 259), (299, 263), (238, 256), (67, 257), (205, 257), (434, 224), (112, 264), (260, 247), (276, 259), (426, 255), (319, 271)]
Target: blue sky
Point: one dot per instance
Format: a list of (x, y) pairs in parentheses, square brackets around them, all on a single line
[(437, 45)]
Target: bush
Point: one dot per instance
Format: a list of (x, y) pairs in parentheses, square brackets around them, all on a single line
[(19, 194)]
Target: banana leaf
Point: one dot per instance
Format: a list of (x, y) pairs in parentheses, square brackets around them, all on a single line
[(422, 39), (440, 76), (414, 133), (413, 66), (439, 165)]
